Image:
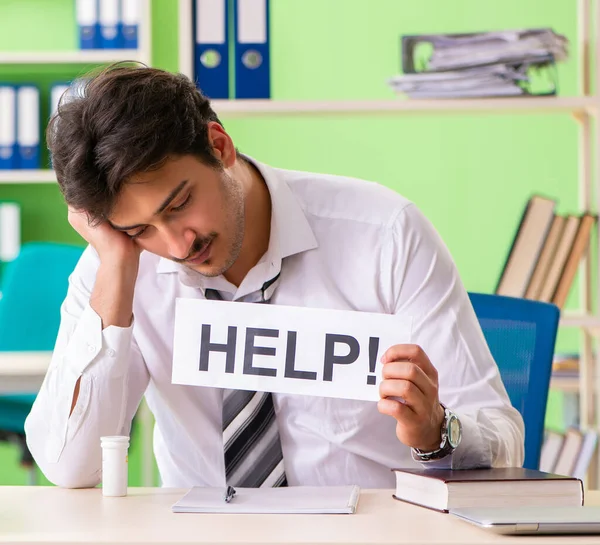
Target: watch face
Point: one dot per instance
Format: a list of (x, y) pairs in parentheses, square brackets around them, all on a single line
[(454, 431)]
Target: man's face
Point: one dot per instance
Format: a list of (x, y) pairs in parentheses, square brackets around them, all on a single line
[(184, 211)]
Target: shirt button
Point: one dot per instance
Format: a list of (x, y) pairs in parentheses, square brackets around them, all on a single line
[(111, 352), (91, 348)]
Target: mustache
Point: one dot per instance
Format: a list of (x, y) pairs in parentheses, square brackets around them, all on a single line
[(198, 245)]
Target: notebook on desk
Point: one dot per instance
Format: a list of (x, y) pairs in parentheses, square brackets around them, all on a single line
[(285, 500)]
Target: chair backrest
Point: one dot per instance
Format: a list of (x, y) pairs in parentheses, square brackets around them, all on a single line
[(33, 288), (521, 335)]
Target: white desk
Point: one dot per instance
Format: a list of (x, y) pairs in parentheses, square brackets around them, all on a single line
[(23, 371), (53, 515)]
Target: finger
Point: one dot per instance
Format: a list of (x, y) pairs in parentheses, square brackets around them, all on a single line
[(79, 217), (413, 397), (77, 211), (395, 409), (413, 353), (411, 372)]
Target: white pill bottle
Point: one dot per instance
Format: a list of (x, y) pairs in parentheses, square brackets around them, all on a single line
[(114, 465)]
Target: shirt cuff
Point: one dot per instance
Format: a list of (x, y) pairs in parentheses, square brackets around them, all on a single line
[(472, 452), (89, 341)]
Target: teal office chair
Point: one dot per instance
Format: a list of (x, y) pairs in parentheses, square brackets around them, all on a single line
[(521, 335), (33, 288)]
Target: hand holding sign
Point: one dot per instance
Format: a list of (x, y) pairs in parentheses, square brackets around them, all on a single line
[(409, 375)]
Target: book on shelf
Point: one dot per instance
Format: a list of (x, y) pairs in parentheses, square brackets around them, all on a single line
[(585, 454), (527, 244), (19, 127), (551, 447), (568, 453), (545, 253), (559, 259), (534, 287), (567, 456), (447, 489), (577, 251), (107, 24), (565, 365)]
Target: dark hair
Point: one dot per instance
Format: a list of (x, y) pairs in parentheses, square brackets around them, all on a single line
[(120, 122)]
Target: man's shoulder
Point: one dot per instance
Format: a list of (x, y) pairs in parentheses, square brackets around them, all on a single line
[(337, 197)]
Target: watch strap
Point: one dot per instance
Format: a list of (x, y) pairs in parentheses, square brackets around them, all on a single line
[(445, 447)]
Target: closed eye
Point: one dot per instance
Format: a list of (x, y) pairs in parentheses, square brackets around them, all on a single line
[(138, 234), (182, 205)]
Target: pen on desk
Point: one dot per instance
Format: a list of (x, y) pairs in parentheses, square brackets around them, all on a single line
[(229, 493)]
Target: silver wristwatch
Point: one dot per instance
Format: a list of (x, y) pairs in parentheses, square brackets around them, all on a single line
[(450, 439)]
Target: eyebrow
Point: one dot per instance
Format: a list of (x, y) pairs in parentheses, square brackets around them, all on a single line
[(159, 210)]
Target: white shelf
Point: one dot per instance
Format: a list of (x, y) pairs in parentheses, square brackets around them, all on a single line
[(92, 56), (244, 108), (23, 371), (580, 320), (27, 176)]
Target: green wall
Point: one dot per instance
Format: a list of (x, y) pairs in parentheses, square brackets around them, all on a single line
[(470, 174)]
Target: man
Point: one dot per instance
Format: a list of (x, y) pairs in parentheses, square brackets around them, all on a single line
[(170, 209)]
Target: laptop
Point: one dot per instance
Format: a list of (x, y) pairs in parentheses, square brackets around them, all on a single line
[(533, 520)]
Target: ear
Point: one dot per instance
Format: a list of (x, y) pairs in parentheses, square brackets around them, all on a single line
[(222, 144)]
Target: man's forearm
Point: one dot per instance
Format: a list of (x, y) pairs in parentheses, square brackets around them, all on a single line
[(112, 300), (112, 296)]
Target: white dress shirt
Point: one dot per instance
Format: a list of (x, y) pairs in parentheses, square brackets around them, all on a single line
[(340, 243)]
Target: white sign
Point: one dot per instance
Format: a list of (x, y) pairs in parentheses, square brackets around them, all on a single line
[(294, 350)]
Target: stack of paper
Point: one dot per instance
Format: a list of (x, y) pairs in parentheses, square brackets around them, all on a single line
[(479, 64), (496, 80)]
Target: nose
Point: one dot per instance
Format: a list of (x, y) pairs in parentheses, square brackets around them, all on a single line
[(179, 242)]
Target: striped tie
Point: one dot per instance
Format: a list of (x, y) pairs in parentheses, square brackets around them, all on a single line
[(253, 456)]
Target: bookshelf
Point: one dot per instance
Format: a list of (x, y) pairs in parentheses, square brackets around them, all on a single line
[(577, 105), (92, 56), (583, 108), (77, 58)]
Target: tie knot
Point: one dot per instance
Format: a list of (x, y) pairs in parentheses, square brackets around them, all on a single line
[(260, 296)]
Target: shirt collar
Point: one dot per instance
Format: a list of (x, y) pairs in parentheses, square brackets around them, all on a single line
[(290, 234)]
